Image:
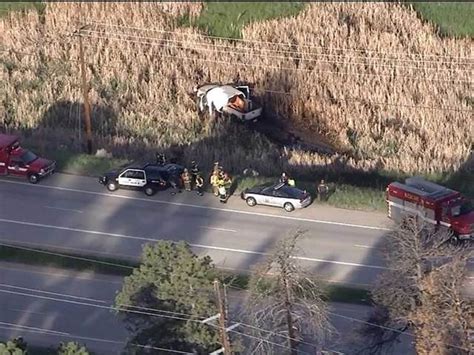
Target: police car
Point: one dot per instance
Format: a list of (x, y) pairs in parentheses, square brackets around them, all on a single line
[(148, 178), (279, 195)]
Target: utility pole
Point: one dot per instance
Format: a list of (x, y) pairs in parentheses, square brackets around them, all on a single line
[(289, 318), (225, 341), (85, 91)]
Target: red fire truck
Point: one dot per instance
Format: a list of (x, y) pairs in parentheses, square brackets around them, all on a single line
[(16, 161), (434, 204)]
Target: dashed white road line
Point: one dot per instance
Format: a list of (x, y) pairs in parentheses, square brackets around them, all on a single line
[(219, 229), (363, 246), (208, 247), (64, 209), (227, 210)]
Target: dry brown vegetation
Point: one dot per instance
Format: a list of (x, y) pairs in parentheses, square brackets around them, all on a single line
[(401, 101), (424, 289)]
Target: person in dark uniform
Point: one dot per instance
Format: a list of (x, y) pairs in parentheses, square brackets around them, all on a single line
[(175, 183), (283, 178), (160, 158), (194, 170), (323, 191), (199, 183)]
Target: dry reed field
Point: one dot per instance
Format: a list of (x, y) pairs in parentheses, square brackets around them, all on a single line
[(371, 78)]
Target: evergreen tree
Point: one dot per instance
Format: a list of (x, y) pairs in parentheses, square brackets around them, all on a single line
[(166, 296)]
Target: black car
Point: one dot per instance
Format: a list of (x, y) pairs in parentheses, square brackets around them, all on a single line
[(149, 178)]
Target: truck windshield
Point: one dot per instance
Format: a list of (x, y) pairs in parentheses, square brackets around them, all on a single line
[(461, 209), (27, 157)]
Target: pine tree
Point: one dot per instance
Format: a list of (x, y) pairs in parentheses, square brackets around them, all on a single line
[(168, 294)]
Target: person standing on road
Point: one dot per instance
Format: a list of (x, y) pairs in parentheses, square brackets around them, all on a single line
[(194, 170), (215, 182), (186, 180), (175, 183), (199, 181), (225, 185), (323, 191)]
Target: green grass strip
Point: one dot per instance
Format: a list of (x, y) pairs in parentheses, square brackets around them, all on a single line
[(120, 267)]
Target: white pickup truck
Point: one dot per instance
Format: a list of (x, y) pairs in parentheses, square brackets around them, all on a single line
[(231, 100)]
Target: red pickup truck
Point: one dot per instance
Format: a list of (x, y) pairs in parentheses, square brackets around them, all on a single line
[(16, 161)]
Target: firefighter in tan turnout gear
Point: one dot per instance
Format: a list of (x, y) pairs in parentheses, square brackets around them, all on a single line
[(186, 176)]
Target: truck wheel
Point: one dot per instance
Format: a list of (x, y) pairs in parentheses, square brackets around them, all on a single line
[(33, 178), (288, 207), (112, 186), (251, 201), (149, 191)]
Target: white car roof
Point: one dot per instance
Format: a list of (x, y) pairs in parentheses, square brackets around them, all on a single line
[(221, 95)]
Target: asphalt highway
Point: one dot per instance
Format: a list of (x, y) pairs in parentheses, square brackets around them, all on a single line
[(77, 214), (47, 306)]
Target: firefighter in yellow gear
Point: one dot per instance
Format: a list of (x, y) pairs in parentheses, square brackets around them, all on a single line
[(215, 182), (224, 183), (186, 176)]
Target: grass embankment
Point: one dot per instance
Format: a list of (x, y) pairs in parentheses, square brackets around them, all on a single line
[(120, 267), (453, 19)]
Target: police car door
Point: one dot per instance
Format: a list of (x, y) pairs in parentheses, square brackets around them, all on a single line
[(132, 178)]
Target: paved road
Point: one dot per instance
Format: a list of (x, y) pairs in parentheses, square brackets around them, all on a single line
[(47, 306), (78, 214)]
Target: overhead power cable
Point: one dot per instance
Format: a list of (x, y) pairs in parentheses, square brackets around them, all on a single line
[(154, 313), (300, 56), (282, 44), (342, 49), (281, 68), (364, 101), (25, 329)]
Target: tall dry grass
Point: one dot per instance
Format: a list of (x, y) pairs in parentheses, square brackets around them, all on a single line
[(141, 81)]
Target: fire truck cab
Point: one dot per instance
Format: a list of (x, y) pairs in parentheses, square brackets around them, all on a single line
[(434, 204)]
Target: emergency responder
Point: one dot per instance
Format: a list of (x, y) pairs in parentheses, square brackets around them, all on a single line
[(186, 176), (199, 181), (284, 178), (214, 182), (194, 170), (225, 182), (291, 182), (175, 183), (216, 168), (160, 158), (323, 191)]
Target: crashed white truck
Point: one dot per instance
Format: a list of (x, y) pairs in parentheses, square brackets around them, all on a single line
[(233, 101)]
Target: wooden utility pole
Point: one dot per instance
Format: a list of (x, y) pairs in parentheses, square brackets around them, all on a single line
[(85, 91), (289, 317), (225, 341)]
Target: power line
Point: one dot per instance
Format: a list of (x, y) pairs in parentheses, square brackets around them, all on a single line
[(154, 314), (314, 71), (433, 108), (361, 321), (22, 328), (272, 43), (243, 50), (67, 256)]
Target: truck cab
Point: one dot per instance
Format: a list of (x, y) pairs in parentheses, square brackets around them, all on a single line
[(433, 204), (19, 162)]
